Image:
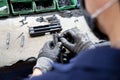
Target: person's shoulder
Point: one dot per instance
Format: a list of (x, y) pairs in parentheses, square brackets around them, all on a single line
[(101, 50), (99, 54)]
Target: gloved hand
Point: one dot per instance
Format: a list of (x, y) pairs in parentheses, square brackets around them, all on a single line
[(48, 54), (76, 41)]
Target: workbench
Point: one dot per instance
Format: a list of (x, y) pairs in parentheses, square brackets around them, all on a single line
[(31, 45)]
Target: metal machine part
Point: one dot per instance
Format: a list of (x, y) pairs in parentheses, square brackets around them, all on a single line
[(40, 19), (66, 13), (23, 21), (55, 38), (41, 30), (53, 19)]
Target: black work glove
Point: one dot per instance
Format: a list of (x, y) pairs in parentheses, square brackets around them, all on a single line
[(48, 54), (76, 41)]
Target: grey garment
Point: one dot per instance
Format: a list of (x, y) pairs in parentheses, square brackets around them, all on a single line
[(44, 64), (80, 40), (104, 43)]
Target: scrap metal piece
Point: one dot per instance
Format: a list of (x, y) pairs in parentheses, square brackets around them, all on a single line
[(66, 13), (22, 41), (53, 19), (23, 21), (40, 19), (76, 20), (25, 18), (20, 35), (8, 40), (55, 38)]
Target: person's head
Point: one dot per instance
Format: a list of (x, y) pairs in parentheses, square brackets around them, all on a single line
[(106, 13)]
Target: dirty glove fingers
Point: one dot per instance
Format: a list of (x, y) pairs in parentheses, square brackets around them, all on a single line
[(83, 47), (52, 46), (68, 33), (66, 44), (47, 45), (49, 51), (73, 32), (57, 48), (58, 45)]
